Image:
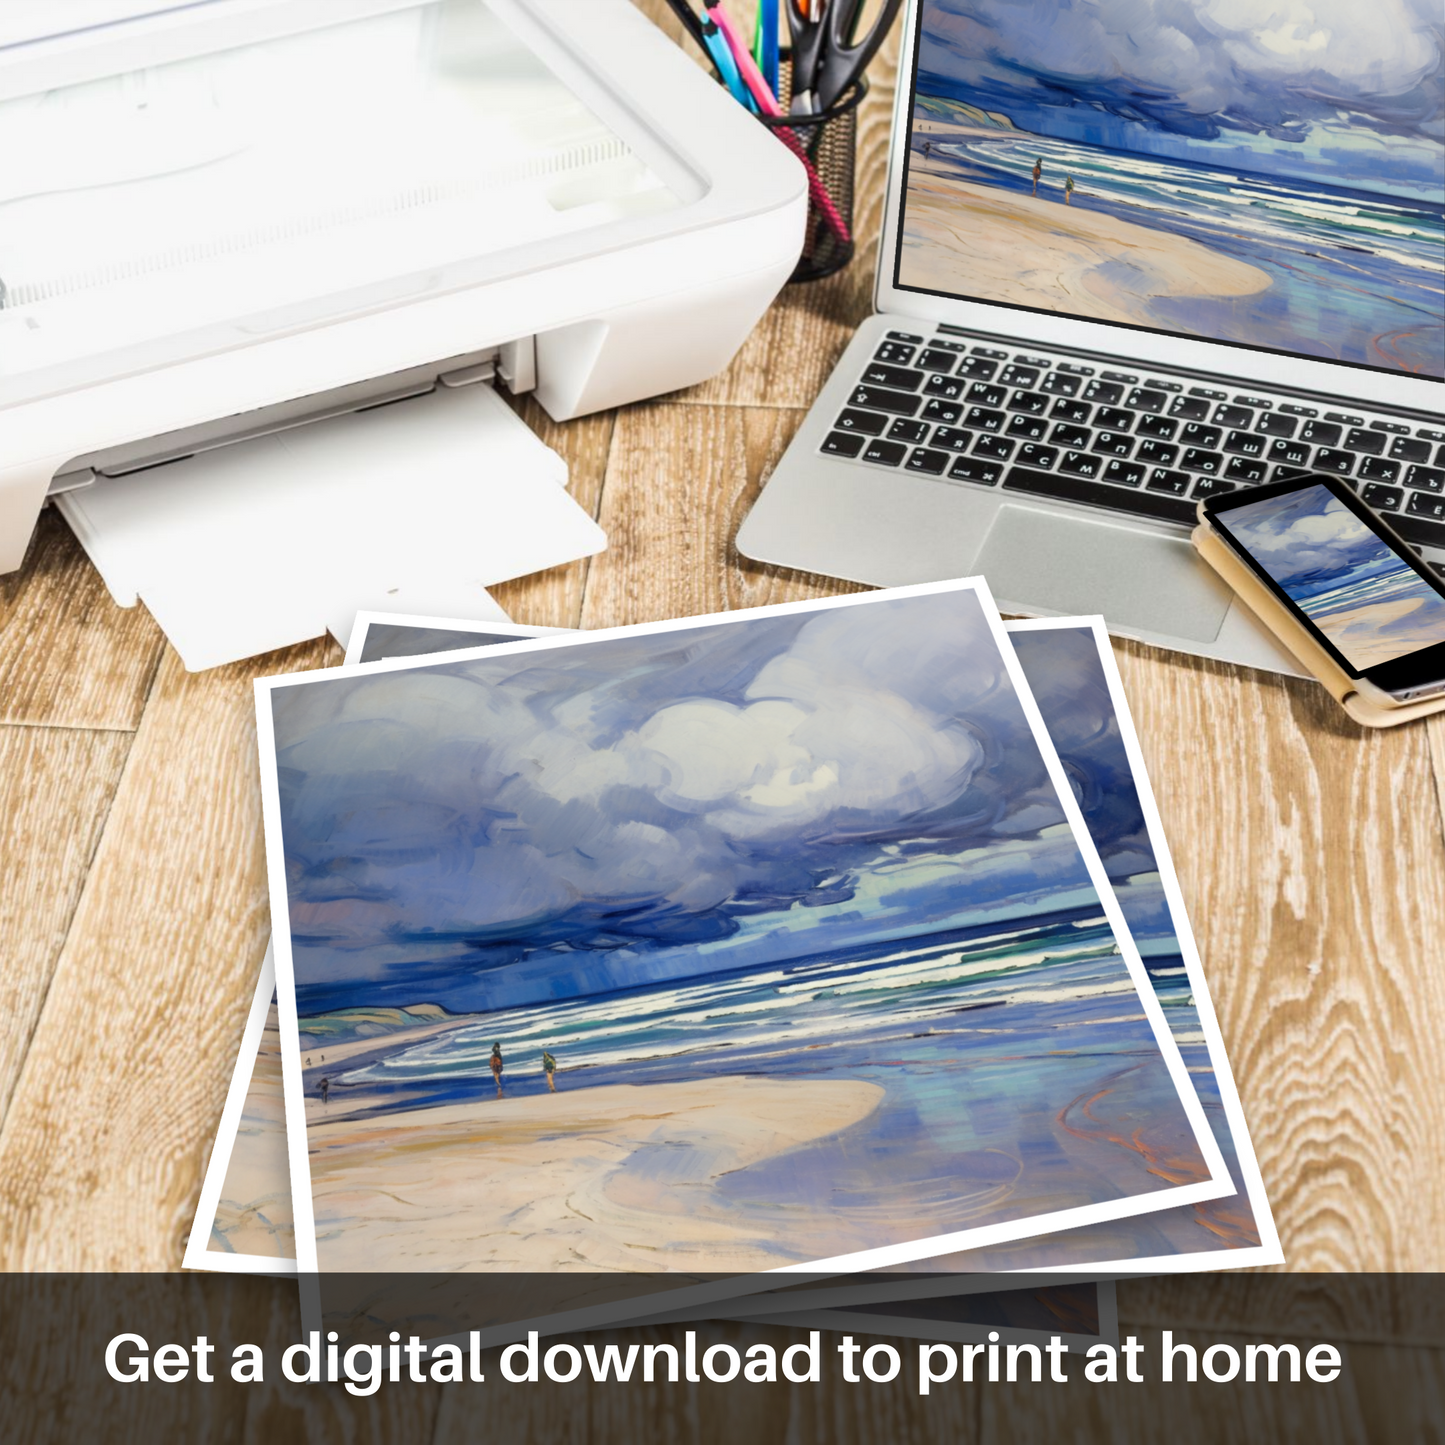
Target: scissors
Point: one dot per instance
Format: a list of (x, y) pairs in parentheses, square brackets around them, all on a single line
[(827, 54)]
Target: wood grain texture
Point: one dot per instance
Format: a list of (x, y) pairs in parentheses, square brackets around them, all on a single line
[(69, 657), (56, 786), (1312, 863), (680, 481), (103, 1147)]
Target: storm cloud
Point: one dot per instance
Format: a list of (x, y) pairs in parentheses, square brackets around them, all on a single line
[(642, 793), (1198, 68)]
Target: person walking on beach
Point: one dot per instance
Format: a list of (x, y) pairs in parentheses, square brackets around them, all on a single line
[(497, 1067), (1038, 171), (1068, 190), (927, 146), (549, 1067), (325, 1087)]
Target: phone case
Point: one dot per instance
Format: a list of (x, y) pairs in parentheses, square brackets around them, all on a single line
[(1263, 603)]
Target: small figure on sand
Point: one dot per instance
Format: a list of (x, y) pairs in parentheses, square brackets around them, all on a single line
[(1038, 171), (325, 1087), (1068, 190), (549, 1067), (497, 1067), (927, 146)]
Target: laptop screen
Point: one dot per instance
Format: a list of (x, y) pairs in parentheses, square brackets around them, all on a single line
[(1270, 176)]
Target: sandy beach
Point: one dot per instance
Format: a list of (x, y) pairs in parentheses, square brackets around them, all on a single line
[(1369, 636), (976, 240), (618, 1177)]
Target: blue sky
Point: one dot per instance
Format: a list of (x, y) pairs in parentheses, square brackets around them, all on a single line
[(540, 825), (1343, 89), (1309, 541)]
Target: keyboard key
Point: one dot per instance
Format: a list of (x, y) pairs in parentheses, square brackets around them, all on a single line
[(867, 422), (1196, 459), (1422, 505), (843, 444), (1195, 435), (983, 419), (1377, 469), (1393, 427), (1440, 457), (1113, 418), (948, 387), (926, 460), (1162, 385), (1033, 402), (1128, 378), (1112, 444), (1430, 436), (1210, 487), (971, 469), (1245, 469), (1071, 436), (1344, 419), (1058, 383), (1322, 433), (1156, 454), (877, 398), (935, 360), (1076, 411), (1030, 427), (1292, 454), (895, 353), (1189, 408), (1372, 443), (986, 351), (977, 369), (877, 374), (904, 430), (1163, 480), (886, 454), (1036, 456), (1293, 410), (905, 336), (1289, 474), (954, 438), (1099, 494), (1207, 394), (1235, 416), (993, 447), (1274, 425), (1418, 530), (957, 347), (1245, 444), (1143, 398), (1332, 459), (945, 411), (1427, 479), (1081, 464), (1107, 392), (1124, 474), (1019, 376), (1156, 426), (981, 394), (1382, 499)]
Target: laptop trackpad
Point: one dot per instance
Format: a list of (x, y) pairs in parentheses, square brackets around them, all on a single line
[(1039, 559)]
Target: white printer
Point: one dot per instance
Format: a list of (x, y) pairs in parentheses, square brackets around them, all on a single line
[(223, 220)]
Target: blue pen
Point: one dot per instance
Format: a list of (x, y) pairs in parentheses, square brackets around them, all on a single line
[(727, 67), (768, 29)]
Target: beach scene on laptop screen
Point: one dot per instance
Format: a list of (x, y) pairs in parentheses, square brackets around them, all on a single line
[(1369, 603), (1266, 175)]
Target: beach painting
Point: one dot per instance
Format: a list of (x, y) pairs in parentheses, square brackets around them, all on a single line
[(770, 940), (1367, 600), (1270, 177)]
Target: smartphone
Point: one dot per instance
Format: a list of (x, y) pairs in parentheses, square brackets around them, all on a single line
[(1338, 569)]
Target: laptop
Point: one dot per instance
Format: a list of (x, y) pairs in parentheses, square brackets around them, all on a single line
[(1133, 255)]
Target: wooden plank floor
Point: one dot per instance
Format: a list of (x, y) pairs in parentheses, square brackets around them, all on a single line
[(133, 910)]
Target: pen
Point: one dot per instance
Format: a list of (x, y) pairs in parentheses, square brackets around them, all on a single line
[(765, 42), (767, 103)]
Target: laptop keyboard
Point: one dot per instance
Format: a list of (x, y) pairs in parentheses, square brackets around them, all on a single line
[(1145, 445)]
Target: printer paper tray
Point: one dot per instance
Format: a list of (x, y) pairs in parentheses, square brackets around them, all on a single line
[(417, 506)]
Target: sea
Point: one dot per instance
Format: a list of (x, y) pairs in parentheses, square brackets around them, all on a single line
[(1366, 640), (1357, 275), (1017, 1066)]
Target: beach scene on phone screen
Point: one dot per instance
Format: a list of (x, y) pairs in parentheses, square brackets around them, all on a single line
[(1367, 601), (1254, 174)]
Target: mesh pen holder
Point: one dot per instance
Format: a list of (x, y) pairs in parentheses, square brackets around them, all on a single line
[(827, 142)]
